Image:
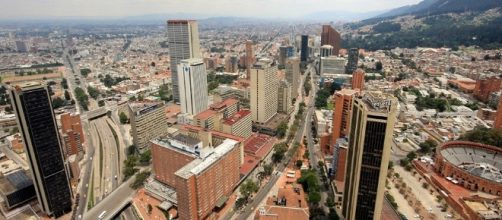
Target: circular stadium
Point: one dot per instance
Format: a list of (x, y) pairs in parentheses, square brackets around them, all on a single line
[(472, 165)]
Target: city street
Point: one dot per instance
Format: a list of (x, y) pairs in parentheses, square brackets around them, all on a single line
[(263, 192)]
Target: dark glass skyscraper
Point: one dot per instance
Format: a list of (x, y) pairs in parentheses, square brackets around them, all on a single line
[(353, 59), (370, 137), (35, 117), (304, 48)]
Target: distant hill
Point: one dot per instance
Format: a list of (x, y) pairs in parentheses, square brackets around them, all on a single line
[(434, 7), (341, 15), (431, 23)]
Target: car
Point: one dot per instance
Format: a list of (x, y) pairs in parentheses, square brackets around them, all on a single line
[(448, 216), (416, 216)]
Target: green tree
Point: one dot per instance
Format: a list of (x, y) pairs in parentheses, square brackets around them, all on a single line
[(484, 135), (64, 83), (267, 169), (85, 72), (411, 155), (247, 188), (131, 150), (101, 103), (314, 197), (279, 152), (93, 92), (145, 157), (140, 179), (282, 129), (299, 163), (57, 102), (82, 98), (67, 95), (123, 118), (240, 203)]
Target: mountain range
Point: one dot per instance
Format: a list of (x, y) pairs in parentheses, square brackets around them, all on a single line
[(430, 23)]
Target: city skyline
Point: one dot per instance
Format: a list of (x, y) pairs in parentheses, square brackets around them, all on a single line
[(59, 9)]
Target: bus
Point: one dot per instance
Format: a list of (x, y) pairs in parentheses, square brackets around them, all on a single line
[(102, 215)]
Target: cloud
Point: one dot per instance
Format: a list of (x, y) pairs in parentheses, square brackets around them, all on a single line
[(249, 8)]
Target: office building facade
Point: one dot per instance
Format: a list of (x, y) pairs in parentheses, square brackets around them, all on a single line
[(293, 74), (192, 81), (264, 88), (249, 57), (37, 124), (341, 113), (284, 99), (148, 121), (329, 36), (326, 50), (183, 40), (371, 129), (284, 53)]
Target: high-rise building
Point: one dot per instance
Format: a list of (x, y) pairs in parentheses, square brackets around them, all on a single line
[(263, 88), (21, 46), (332, 65), (284, 53), (485, 87), (353, 59), (192, 81), (73, 135), (249, 57), (330, 36), (305, 50), (498, 118), (371, 128), (293, 74), (183, 41), (37, 124), (231, 64), (326, 50), (203, 176), (341, 113), (284, 99), (148, 121), (358, 80)]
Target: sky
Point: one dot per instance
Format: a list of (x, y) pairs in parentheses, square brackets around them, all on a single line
[(15, 9)]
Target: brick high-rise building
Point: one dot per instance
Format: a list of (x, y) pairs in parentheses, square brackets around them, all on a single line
[(72, 134), (37, 124), (371, 129), (203, 176), (183, 41), (249, 57), (341, 114), (485, 87), (358, 80), (498, 118), (330, 36)]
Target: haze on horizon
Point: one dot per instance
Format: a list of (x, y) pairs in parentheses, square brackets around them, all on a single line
[(29, 9)]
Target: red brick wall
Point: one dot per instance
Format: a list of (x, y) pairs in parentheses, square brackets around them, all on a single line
[(166, 162)]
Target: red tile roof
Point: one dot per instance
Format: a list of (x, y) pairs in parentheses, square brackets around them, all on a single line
[(259, 145), (250, 162), (237, 117)]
